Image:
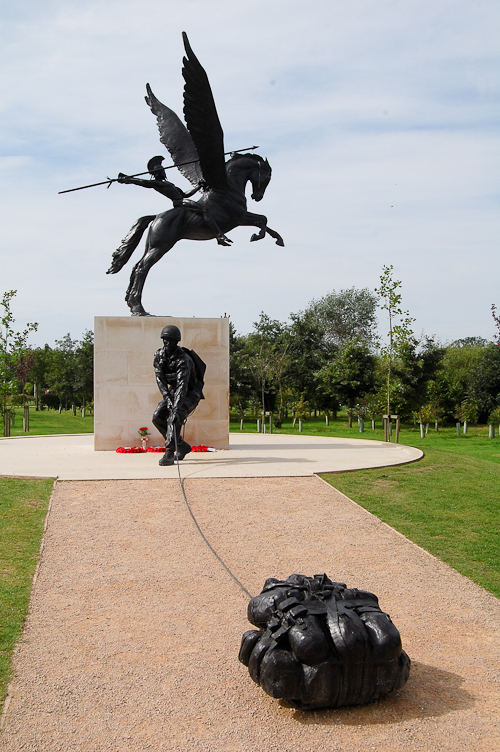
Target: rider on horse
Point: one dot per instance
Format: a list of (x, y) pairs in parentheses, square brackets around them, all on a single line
[(160, 183)]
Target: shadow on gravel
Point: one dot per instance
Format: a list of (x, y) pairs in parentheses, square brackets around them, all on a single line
[(430, 692)]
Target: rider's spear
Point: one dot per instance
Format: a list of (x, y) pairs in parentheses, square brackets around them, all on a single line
[(137, 174)]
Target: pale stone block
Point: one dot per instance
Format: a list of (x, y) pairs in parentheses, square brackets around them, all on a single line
[(125, 390)]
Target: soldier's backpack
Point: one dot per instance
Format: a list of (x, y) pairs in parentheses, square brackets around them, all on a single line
[(199, 368)]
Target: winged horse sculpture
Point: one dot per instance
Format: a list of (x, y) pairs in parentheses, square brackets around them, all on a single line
[(198, 152)]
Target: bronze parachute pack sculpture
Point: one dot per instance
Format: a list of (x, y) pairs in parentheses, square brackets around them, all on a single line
[(320, 644)]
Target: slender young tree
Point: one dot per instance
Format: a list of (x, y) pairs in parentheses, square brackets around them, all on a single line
[(496, 319), (400, 333)]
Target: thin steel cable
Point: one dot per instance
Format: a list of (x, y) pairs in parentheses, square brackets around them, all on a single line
[(212, 549)]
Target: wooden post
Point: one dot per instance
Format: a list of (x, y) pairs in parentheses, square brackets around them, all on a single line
[(26, 419), (300, 426), (373, 425), (270, 422), (491, 432), (361, 425), (241, 424), (294, 421), (422, 432), (465, 426), (326, 418), (398, 426), (458, 428), (6, 423), (436, 424), (385, 423), (258, 425)]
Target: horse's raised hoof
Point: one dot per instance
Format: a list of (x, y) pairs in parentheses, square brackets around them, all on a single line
[(280, 242), (256, 236), (223, 240)]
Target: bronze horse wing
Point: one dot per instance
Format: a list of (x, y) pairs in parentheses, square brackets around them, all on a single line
[(202, 120), (176, 138), (202, 143)]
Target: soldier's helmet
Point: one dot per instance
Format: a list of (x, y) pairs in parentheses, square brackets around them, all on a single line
[(155, 168), (171, 332)]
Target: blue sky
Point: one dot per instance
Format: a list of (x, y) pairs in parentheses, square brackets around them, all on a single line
[(380, 121)]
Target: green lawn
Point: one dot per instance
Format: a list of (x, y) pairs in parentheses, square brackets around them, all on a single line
[(23, 506), (43, 422), (448, 502)]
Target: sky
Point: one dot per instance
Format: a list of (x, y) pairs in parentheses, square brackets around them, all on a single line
[(379, 119)]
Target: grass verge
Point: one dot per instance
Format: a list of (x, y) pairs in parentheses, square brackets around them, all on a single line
[(447, 504), (23, 507), (46, 422)]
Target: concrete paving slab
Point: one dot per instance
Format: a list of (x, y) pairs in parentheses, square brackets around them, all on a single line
[(72, 457)]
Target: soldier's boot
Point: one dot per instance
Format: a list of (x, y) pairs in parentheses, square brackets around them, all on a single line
[(167, 459), (182, 449)]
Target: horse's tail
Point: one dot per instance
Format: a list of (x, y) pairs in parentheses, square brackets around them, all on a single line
[(129, 244)]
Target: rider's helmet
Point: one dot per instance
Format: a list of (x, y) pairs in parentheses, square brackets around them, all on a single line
[(171, 332), (155, 168)]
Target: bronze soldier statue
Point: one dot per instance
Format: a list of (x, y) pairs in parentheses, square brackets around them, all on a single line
[(179, 374)]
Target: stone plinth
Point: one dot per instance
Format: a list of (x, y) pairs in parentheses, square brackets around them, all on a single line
[(125, 389)]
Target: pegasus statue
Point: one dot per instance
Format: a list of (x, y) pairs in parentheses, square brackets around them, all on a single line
[(197, 150)]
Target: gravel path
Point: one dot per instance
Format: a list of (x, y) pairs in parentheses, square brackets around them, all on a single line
[(132, 639)]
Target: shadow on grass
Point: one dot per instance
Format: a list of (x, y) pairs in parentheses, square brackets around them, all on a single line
[(429, 692)]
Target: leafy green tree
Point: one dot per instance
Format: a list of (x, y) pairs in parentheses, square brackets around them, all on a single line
[(266, 352), (308, 352), (346, 315), (61, 371), (83, 368), (38, 374), (351, 375), (450, 386), (12, 348), (23, 369), (484, 381), (414, 369), (241, 381)]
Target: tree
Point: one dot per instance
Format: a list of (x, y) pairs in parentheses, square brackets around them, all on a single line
[(241, 382), (484, 381), (351, 375), (496, 319), (346, 315), (414, 369), (83, 368), (449, 388), (12, 348), (23, 369), (308, 352), (400, 335), (61, 371), (267, 358)]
